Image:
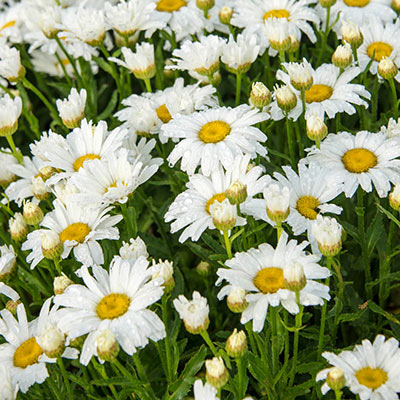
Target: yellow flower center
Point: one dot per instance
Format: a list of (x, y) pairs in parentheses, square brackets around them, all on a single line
[(79, 161), (9, 24), (278, 13), (163, 114), (113, 306), (318, 93), (76, 231), (359, 160), (356, 3), (27, 353), (269, 280), (220, 197), (381, 50), (214, 132), (170, 5), (371, 377), (306, 206)]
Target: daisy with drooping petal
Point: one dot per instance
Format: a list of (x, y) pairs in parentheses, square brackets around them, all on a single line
[(261, 273), (204, 392), (372, 370), (79, 228), (72, 109), (330, 93), (364, 159), (115, 300), (214, 137), (253, 14), (192, 209), (380, 41), (392, 129)]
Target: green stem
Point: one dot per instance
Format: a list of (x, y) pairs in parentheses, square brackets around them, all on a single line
[(282, 57), (289, 132), (394, 97), (58, 266), (323, 313), (142, 373), (299, 318), (241, 376), (148, 85), (303, 103), (227, 244), (164, 309), (65, 377), (17, 154), (70, 59), (68, 79), (325, 36), (318, 143), (275, 355), (384, 269), (279, 230), (287, 342), (338, 394), (204, 334), (249, 329), (238, 87), (354, 50)]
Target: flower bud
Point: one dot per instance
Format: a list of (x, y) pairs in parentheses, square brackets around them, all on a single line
[(225, 15), (107, 346), (327, 3), (33, 214), (52, 246), (387, 68), (277, 200), (12, 305), (8, 262), (343, 56), (60, 283), (205, 5), (223, 215), (134, 249), (328, 233), (77, 342), (278, 34), (236, 345), (236, 193), (236, 300), (336, 379), (394, 198), (168, 73), (260, 95), (72, 109), (396, 5), (52, 342), (216, 372), (316, 128), (300, 74), (164, 270), (47, 172), (39, 188), (294, 278), (18, 227), (285, 98), (351, 33), (294, 44), (203, 268)]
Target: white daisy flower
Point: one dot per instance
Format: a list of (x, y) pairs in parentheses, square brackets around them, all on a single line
[(380, 40), (21, 354), (392, 129), (201, 56), (10, 64), (88, 142), (215, 137), (8, 260), (10, 111), (72, 109), (8, 391), (331, 93), (79, 228), (252, 15), (204, 392), (371, 369), (192, 208), (364, 159), (261, 271), (134, 249), (358, 11), (111, 180), (141, 151), (115, 300)]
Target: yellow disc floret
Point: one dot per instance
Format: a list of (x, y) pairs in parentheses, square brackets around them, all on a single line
[(214, 132), (318, 93), (269, 280), (163, 114), (278, 13), (170, 5), (220, 197), (76, 231), (379, 50), (359, 160), (307, 205), (27, 353), (356, 3), (113, 306), (79, 161), (372, 378)]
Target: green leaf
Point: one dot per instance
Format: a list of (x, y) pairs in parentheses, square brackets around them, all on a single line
[(375, 232), (388, 214), (376, 309), (110, 107)]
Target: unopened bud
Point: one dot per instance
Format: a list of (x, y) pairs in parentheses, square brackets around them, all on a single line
[(285, 98), (18, 227), (8, 262), (236, 300), (39, 188), (52, 342), (277, 202), (164, 270), (394, 198), (203, 268), (336, 379), (316, 128), (236, 345), (278, 34), (223, 215), (236, 193), (33, 214), (260, 95), (351, 33), (216, 372), (294, 44), (327, 3), (47, 172), (205, 5), (107, 346), (225, 15), (294, 278), (52, 246), (77, 342), (168, 73), (387, 68), (328, 233), (60, 283), (300, 74), (396, 5), (343, 56)]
